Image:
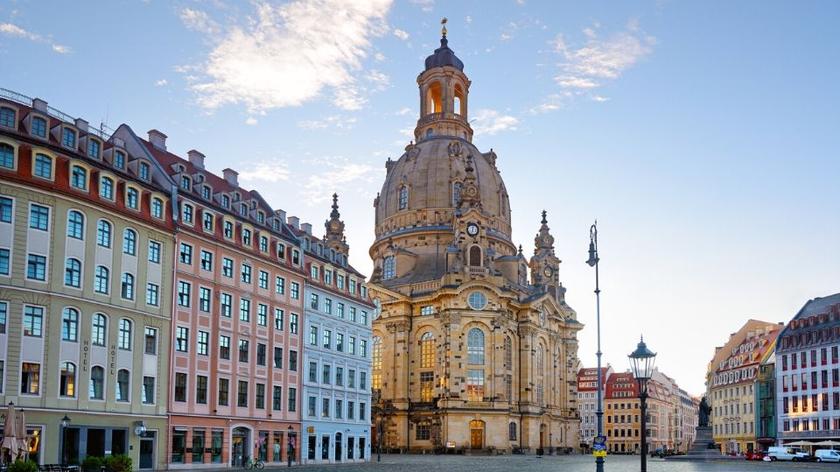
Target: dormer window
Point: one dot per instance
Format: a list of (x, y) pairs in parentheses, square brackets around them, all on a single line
[(132, 198), (236, 196), (68, 138), (403, 198), (275, 224), (93, 148), (186, 183), (246, 236), (7, 117), (306, 244), (157, 208), (260, 217), (119, 159), (243, 209), (389, 268), (78, 178), (281, 251), (145, 170), (38, 127), (225, 201), (206, 193), (186, 213), (295, 257)]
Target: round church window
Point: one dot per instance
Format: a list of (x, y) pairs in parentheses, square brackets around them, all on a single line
[(477, 300)]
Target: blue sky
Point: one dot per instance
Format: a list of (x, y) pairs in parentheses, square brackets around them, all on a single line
[(703, 136)]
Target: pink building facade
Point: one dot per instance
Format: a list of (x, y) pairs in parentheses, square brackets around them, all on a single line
[(236, 353)]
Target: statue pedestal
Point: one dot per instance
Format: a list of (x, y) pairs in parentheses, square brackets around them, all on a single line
[(702, 449)]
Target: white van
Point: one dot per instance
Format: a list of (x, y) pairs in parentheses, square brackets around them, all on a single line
[(827, 455), (783, 453)]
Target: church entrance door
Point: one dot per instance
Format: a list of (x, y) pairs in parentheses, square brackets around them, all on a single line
[(476, 434)]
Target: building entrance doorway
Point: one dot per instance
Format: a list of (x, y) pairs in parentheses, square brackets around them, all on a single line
[(147, 451), (476, 434), (338, 439), (542, 436), (240, 439)]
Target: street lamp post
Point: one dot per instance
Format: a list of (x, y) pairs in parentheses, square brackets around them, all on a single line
[(64, 423), (290, 449), (593, 262), (642, 361)]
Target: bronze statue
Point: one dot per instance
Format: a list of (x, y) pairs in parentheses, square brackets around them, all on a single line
[(705, 411)]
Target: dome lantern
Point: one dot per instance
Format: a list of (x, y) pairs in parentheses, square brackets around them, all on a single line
[(443, 95)]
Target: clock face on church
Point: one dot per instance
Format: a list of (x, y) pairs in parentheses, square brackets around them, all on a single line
[(472, 229), (547, 271)]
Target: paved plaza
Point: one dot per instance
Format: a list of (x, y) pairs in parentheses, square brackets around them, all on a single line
[(575, 463)]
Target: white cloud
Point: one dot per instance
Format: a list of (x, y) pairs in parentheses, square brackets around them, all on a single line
[(287, 55), (552, 102), (161, 83), (468, 19), (379, 57), (403, 35), (403, 111), (333, 121), (425, 5), (200, 21), (490, 122), (270, 171), (587, 66), (600, 98), (380, 80), (15, 31), (505, 36), (336, 174), (251, 121)]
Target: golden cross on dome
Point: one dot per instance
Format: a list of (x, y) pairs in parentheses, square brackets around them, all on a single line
[(443, 28)]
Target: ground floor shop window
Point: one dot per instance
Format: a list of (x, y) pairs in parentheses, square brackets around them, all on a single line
[(325, 448), (263, 445), (198, 446), (34, 446), (179, 443), (216, 442), (277, 447)]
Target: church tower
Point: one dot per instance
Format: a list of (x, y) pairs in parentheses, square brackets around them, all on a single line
[(467, 349), (334, 237)]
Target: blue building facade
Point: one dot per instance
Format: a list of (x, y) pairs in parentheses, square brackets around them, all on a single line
[(336, 426)]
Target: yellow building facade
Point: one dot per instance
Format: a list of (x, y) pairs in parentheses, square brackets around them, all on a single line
[(731, 385), (474, 345)]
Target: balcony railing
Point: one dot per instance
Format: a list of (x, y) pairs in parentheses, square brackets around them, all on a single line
[(102, 132)]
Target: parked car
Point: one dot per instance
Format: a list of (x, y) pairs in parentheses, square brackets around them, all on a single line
[(784, 453), (754, 456), (827, 455)]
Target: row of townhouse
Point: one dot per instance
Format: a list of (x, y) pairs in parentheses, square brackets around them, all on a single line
[(671, 412), (150, 307), (775, 383)]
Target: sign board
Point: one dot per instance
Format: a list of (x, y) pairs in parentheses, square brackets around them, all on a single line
[(599, 440), (599, 446), (596, 453), (310, 429)]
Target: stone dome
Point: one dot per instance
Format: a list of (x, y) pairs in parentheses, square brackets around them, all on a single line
[(443, 56), (430, 170)]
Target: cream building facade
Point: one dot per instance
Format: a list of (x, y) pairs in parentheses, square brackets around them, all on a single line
[(474, 345)]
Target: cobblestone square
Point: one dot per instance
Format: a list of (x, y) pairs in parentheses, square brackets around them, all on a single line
[(574, 463)]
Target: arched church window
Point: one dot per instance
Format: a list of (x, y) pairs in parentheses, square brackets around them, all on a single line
[(427, 351), (376, 364), (475, 347), (458, 101), (389, 268), (508, 353), (434, 98), (429, 133), (512, 431), (540, 361), (475, 256), (456, 193), (403, 198)]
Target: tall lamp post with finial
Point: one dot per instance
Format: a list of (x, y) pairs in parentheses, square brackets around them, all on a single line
[(642, 361), (599, 411)]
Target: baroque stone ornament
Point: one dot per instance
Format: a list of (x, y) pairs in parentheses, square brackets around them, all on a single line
[(455, 149)]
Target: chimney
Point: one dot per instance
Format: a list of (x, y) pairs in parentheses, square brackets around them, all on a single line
[(307, 227), (82, 125), (157, 139), (294, 222), (231, 176), (197, 159), (39, 105), (280, 214)]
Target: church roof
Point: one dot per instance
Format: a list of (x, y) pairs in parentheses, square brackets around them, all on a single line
[(444, 56)]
